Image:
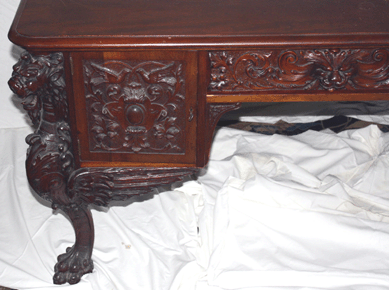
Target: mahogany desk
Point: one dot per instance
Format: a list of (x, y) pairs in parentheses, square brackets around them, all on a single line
[(125, 94)]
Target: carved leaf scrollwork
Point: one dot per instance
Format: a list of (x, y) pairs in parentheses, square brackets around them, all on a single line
[(141, 104), (135, 106), (100, 186), (304, 70), (39, 82)]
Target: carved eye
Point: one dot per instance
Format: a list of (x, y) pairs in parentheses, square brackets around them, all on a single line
[(25, 56), (32, 86), (31, 73)]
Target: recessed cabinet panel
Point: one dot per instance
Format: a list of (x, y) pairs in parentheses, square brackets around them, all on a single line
[(135, 107)]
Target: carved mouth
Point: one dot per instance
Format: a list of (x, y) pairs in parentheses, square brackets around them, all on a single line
[(30, 101)]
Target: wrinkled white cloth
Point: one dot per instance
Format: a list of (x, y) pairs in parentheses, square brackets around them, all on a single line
[(269, 212), (302, 212)]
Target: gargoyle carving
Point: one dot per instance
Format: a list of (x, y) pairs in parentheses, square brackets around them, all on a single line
[(40, 83)]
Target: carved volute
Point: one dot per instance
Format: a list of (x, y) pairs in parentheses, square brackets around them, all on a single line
[(352, 70), (135, 106)]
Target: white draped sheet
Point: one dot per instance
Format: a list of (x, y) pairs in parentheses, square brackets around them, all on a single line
[(270, 212)]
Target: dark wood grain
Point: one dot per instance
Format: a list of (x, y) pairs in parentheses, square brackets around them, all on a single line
[(165, 93), (343, 70), (39, 80), (136, 107), (99, 23)]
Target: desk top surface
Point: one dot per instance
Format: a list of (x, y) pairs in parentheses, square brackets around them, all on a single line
[(199, 23)]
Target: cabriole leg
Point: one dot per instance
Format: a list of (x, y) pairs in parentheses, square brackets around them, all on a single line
[(77, 259)]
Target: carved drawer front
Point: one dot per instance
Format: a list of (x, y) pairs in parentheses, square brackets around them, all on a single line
[(305, 71), (135, 107)]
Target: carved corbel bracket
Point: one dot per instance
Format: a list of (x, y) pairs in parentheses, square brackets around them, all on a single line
[(214, 111), (39, 81)]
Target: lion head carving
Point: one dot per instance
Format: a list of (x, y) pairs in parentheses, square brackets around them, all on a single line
[(38, 80)]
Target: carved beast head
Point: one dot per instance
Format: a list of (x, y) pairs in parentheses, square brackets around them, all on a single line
[(34, 74)]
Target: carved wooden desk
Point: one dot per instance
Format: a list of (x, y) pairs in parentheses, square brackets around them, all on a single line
[(125, 94)]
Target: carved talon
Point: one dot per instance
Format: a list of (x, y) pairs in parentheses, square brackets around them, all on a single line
[(72, 265)]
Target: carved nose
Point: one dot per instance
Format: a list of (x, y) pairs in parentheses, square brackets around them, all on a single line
[(336, 77)]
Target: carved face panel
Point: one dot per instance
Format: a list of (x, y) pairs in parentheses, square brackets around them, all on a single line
[(332, 67)]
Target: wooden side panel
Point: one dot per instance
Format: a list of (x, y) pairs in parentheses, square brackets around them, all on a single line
[(136, 107)]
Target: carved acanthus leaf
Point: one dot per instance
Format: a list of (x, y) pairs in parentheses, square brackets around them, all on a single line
[(99, 186), (135, 106), (299, 70), (39, 81)]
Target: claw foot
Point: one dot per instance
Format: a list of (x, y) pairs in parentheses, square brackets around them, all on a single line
[(72, 265)]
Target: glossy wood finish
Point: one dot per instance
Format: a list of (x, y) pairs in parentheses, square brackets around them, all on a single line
[(126, 94), (305, 70), (144, 107), (52, 168), (199, 23)]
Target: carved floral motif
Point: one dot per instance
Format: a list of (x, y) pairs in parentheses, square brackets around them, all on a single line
[(39, 81), (317, 69), (135, 106)]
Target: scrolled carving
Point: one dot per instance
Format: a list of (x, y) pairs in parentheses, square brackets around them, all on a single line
[(39, 81), (136, 106), (299, 70), (99, 186)]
